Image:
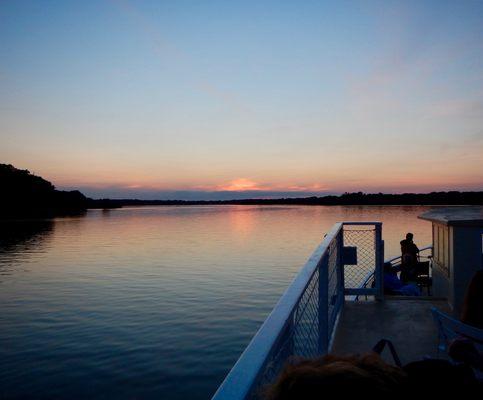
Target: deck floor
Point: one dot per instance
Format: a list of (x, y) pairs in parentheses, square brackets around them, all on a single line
[(407, 323)]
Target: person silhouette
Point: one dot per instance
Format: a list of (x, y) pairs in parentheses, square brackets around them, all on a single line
[(409, 258)]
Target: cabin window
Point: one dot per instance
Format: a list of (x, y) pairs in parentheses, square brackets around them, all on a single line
[(441, 247)]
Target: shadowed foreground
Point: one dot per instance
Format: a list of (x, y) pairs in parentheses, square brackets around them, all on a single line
[(407, 323)]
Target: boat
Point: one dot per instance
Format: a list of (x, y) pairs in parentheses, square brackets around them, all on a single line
[(337, 303)]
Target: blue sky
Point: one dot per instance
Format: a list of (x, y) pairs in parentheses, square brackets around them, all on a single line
[(156, 99)]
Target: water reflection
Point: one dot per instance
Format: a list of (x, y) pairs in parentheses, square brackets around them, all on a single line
[(24, 235), (242, 222), (153, 302)]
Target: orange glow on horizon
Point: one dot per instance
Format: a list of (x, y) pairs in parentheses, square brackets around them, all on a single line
[(240, 184), (368, 179), (397, 185)]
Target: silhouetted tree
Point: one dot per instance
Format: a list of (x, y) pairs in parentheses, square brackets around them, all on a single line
[(25, 194)]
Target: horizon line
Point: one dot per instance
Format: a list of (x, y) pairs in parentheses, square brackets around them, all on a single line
[(285, 197)]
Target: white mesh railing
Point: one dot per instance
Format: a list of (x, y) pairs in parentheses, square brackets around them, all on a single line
[(303, 322)]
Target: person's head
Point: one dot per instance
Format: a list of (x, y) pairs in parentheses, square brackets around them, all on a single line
[(313, 379), (472, 313), (409, 236)]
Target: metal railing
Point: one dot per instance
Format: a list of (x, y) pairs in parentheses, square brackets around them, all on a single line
[(303, 322), (369, 278), (397, 260)]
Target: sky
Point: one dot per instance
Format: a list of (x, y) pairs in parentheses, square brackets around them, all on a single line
[(236, 99)]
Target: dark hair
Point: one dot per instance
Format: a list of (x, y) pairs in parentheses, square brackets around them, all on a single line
[(409, 235), (472, 313), (357, 374)]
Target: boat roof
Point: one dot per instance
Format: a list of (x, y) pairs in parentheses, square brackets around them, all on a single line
[(455, 216)]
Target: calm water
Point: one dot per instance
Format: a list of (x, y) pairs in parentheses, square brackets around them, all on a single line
[(155, 302)]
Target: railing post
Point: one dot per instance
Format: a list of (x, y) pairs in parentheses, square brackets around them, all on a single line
[(340, 265), (289, 333), (323, 317), (379, 260)]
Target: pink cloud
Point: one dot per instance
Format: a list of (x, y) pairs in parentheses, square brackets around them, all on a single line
[(241, 184)]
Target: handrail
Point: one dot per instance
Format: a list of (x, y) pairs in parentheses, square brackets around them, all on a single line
[(370, 275), (391, 260), (275, 333), (239, 382)]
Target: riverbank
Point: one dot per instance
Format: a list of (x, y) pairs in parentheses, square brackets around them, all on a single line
[(346, 199)]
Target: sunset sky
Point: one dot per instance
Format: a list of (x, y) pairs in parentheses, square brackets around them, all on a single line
[(229, 99)]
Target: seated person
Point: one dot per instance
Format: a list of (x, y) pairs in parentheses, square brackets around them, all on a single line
[(394, 285), (472, 313), (367, 375), (314, 379), (463, 349)]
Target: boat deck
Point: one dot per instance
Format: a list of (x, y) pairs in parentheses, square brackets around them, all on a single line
[(408, 323)]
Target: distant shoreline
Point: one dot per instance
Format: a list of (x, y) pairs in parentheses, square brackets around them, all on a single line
[(309, 205), (25, 195), (348, 199)]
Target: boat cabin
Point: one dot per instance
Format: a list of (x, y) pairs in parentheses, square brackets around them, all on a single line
[(457, 251)]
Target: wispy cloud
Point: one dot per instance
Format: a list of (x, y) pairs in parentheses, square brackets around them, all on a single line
[(166, 49), (465, 108), (240, 184)]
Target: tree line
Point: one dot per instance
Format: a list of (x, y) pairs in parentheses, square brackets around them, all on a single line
[(24, 194), (346, 199)]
